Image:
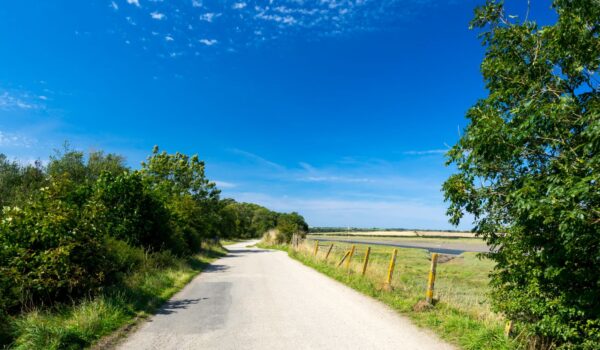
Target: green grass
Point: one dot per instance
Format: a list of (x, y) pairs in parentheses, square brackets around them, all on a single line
[(231, 241), (461, 314), (83, 323)]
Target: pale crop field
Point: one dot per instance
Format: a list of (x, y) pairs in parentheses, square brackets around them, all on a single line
[(407, 233)]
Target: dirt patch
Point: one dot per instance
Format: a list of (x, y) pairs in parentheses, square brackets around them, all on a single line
[(443, 258)]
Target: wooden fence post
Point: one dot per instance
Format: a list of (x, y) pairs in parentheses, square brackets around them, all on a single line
[(343, 258), (364, 269), (350, 257), (328, 251), (316, 247), (431, 281), (388, 281), (508, 329)]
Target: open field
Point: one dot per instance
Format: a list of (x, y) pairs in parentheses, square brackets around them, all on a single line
[(462, 313), (443, 245), (403, 233)]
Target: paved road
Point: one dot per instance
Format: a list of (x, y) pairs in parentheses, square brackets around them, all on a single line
[(262, 299), (449, 248)]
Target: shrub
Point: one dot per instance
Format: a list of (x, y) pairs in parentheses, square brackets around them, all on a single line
[(130, 212), (51, 250)]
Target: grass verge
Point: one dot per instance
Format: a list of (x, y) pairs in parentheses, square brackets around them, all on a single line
[(84, 322), (461, 314), (231, 241)]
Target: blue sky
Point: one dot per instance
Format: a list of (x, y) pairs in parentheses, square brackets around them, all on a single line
[(338, 109)]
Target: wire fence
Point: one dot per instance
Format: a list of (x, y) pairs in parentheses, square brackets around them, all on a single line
[(460, 282)]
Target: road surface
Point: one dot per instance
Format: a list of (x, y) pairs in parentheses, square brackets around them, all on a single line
[(448, 248), (262, 299)]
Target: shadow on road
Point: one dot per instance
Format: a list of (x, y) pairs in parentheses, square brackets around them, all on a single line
[(172, 306), (240, 252), (216, 268)]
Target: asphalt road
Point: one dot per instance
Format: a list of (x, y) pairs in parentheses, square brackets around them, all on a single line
[(262, 299), (449, 248)]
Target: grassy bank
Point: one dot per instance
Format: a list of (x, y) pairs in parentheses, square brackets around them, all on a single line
[(85, 323), (461, 314)]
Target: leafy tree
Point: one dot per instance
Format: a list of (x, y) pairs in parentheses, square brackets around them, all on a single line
[(288, 224), (529, 170), (98, 163), (18, 182), (180, 183), (131, 213)]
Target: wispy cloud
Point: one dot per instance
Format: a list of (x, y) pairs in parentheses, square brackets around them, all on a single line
[(253, 22), (209, 17), (425, 152), (16, 140), (336, 179), (327, 211), (224, 184), (13, 100), (134, 2), (157, 15), (257, 159), (208, 42)]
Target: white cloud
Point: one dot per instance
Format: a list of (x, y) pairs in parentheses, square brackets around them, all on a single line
[(338, 179), (17, 100), (15, 140), (325, 211), (257, 159), (426, 152), (157, 15), (209, 16), (208, 42), (276, 18), (114, 5), (253, 23), (224, 184), (169, 38)]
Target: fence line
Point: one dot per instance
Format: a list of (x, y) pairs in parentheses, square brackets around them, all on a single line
[(456, 294)]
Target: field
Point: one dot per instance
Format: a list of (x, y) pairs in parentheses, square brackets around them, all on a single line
[(462, 313), (403, 233)]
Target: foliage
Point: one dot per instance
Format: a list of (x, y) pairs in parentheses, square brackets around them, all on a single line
[(246, 220), (529, 169), (288, 224), (132, 213), (85, 225), (77, 325), (51, 250), (180, 183), (17, 182)]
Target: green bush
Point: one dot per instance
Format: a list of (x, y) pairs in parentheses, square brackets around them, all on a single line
[(130, 212), (528, 168), (51, 250)]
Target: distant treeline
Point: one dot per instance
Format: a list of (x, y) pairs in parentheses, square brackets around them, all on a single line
[(77, 225), (372, 229)]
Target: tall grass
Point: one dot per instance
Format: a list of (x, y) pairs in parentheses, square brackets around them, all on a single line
[(461, 314), (83, 322)]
